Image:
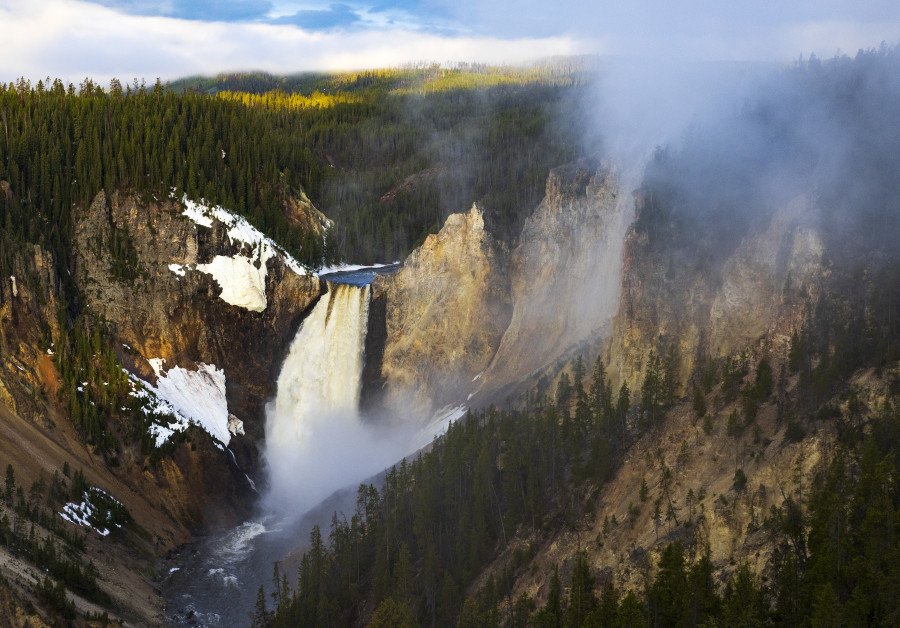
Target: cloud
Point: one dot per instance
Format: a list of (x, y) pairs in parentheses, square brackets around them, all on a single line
[(694, 29), (71, 40), (127, 38), (706, 29), (334, 17)]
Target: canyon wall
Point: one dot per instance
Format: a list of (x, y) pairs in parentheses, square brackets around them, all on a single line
[(465, 316), (171, 306), (445, 311)]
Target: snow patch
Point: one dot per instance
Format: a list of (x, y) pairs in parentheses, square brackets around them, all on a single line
[(197, 396), (179, 269), (15, 291), (195, 213), (160, 409), (242, 279), (238, 229), (87, 514), (235, 425), (183, 398)]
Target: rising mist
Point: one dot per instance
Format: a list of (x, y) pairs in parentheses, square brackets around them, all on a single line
[(317, 441)]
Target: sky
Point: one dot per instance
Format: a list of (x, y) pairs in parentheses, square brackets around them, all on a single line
[(101, 39)]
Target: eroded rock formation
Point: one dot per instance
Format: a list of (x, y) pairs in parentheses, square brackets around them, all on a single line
[(164, 307), (446, 309)]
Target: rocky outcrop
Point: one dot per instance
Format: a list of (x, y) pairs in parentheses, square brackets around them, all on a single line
[(463, 315), (566, 270), (583, 276), (762, 280), (28, 322), (301, 212), (163, 301), (677, 296), (445, 311)]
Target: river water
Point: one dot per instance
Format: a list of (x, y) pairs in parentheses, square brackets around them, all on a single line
[(214, 580)]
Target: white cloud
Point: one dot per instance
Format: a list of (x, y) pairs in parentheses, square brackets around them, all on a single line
[(72, 40)]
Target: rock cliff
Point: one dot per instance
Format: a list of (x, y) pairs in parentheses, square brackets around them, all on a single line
[(566, 271), (195, 292), (714, 307), (445, 311), (465, 316), (28, 305), (188, 294)]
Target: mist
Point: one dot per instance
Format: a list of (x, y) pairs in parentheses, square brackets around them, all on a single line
[(826, 129), (317, 439), (336, 450)]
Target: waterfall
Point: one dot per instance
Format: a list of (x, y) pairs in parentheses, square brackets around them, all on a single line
[(315, 442), (323, 371)]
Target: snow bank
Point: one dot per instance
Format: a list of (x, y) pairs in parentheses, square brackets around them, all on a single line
[(182, 398), (242, 277), (85, 512), (179, 269), (195, 212), (197, 396), (238, 229)]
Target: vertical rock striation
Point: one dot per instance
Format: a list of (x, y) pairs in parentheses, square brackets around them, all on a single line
[(445, 311), (566, 271)]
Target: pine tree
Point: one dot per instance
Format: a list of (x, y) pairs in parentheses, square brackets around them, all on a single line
[(668, 594), (10, 484), (260, 616), (699, 404), (581, 593)]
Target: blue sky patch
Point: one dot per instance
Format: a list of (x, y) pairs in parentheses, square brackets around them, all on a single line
[(336, 16)]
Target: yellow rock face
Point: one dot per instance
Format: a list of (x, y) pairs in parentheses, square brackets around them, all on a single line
[(447, 308)]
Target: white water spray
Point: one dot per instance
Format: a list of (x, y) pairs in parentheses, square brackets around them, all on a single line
[(315, 441)]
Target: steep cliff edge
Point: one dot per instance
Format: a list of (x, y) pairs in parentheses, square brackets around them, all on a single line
[(566, 271), (705, 305), (195, 291), (194, 302), (197, 304), (595, 274), (465, 316), (39, 443), (445, 311), (28, 304)]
